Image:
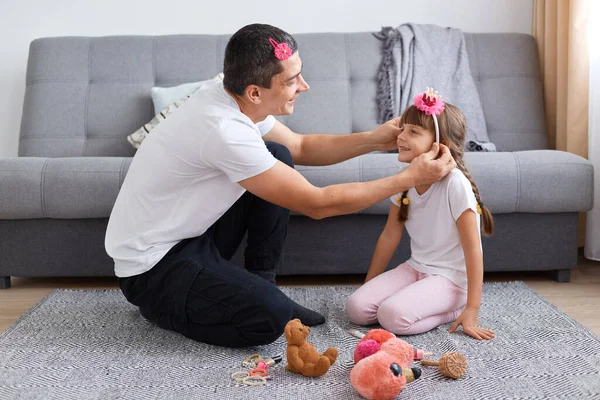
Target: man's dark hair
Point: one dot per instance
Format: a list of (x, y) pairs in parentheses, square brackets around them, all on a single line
[(250, 57)]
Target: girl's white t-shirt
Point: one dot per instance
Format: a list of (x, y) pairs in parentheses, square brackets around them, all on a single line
[(434, 237), (184, 177)]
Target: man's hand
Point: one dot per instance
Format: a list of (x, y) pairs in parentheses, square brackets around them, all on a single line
[(385, 135), (432, 166)]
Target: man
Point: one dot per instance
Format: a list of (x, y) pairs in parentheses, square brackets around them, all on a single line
[(221, 166)]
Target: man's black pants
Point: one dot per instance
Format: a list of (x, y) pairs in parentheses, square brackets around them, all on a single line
[(196, 291)]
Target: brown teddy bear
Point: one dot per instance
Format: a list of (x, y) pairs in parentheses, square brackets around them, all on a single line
[(302, 357)]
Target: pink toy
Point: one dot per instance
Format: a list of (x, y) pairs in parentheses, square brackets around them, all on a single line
[(371, 343), (374, 340), (382, 367), (365, 349), (380, 377)]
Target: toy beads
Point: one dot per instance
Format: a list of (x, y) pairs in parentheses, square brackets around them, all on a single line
[(253, 360), (259, 370), (247, 379)]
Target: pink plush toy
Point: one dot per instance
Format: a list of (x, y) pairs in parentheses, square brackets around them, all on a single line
[(377, 339), (382, 367), (371, 343), (380, 377)]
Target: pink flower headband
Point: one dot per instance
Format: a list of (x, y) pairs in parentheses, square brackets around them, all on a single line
[(282, 50), (431, 103)]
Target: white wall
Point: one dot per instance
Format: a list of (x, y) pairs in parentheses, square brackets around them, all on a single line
[(21, 22), (592, 236)]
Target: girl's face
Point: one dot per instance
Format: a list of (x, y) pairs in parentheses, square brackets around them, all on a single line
[(413, 141)]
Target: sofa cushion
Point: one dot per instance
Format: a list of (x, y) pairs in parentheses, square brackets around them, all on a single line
[(137, 137), (166, 100), (541, 181), (92, 77), (163, 97)]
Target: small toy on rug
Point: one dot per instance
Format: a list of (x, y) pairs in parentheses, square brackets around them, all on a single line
[(302, 357), (380, 377), (246, 378), (375, 339), (382, 367), (252, 360), (258, 374), (453, 364), (356, 333)]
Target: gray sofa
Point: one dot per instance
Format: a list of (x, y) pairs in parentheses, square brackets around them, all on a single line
[(85, 95)]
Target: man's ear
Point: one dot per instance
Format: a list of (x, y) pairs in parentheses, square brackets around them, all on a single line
[(253, 93)]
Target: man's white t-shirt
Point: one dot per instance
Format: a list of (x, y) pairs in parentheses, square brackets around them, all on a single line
[(434, 237), (184, 177)]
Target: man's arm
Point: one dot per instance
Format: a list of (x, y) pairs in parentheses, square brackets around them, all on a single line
[(286, 187), (324, 149)]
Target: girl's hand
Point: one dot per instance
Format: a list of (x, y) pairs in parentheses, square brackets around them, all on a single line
[(468, 320)]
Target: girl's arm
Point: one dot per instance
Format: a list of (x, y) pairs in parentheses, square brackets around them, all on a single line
[(471, 243), (387, 243)]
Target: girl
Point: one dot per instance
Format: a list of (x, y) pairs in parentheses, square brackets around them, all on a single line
[(442, 280)]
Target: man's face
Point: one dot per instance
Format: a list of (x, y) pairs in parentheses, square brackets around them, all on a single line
[(285, 87)]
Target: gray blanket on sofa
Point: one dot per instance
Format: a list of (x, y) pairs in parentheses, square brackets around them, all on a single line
[(415, 57)]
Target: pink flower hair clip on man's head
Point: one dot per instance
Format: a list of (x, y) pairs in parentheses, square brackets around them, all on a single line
[(431, 103), (282, 50)]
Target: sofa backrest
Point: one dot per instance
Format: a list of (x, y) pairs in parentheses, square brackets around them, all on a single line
[(84, 95)]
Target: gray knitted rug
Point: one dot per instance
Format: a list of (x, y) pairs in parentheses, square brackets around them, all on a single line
[(95, 345)]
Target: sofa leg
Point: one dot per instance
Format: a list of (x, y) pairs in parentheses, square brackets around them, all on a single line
[(4, 282), (562, 275)]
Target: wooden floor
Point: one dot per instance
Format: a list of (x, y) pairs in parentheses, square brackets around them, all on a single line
[(580, 298)]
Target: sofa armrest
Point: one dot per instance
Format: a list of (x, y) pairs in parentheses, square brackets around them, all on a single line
[(65, 188), (535, 181)]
